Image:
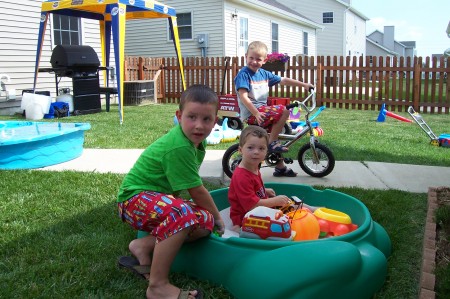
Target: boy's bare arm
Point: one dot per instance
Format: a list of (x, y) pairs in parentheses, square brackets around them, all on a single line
[(277, 201), (243, 96), (293, 82)]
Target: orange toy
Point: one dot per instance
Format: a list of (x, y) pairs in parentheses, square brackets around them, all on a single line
[(333, 223), (304, 224)]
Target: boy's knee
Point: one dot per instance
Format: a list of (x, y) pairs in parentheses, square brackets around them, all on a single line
[(198, 233), (284, 115)]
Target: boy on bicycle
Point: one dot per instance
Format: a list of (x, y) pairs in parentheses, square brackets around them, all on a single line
[(252, 86)]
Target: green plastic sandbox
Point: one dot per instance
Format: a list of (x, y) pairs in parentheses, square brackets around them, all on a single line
[(353, 265)]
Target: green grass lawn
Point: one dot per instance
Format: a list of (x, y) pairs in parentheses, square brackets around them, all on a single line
[(61, 237)]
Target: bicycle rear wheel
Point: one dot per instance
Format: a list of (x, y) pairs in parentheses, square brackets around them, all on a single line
[(231, 160)]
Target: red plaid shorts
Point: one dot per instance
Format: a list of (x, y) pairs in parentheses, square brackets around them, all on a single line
[(272, 115), (163, 215)]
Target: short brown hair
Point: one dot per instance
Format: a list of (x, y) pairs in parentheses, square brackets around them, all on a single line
[(253, 131), (199, 93)]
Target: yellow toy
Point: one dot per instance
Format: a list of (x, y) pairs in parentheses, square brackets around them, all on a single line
[(333, 223)]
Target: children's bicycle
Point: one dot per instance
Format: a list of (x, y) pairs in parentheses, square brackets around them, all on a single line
[(315, 158)]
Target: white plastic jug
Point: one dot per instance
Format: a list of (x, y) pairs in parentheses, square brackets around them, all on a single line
[(35, 105)]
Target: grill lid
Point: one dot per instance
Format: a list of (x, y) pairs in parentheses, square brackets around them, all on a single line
[(74, 56)]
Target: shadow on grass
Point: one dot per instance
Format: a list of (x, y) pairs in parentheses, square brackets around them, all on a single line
[(65, 242), (75, 257)]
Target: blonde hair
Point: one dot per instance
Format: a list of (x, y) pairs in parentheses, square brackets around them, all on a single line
[(252, 131), (259, 47)]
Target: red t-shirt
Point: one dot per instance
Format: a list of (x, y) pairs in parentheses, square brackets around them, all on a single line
[(246, 189)]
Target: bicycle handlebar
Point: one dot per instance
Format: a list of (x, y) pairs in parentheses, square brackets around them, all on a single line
[(311, 96)]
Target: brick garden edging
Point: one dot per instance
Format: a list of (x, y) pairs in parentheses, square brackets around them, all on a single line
[(427, 277)]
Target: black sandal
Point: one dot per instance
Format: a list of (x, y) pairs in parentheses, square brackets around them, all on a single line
[(287, 172), (276, 147)]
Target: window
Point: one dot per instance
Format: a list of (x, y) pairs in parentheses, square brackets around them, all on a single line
[(274, 37), (327, 17), (66, 30), (305, 43), (184, 23), (276, 228), (243, 36)]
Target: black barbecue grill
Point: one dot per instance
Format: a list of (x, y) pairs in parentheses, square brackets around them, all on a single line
[(74, 61), (82, 65)]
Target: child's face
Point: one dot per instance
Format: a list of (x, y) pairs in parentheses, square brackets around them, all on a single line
[(254, 150), (255, 60), (197, 121)]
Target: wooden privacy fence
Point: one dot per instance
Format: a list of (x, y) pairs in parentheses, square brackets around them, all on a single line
[(362, 83), (146, 68)]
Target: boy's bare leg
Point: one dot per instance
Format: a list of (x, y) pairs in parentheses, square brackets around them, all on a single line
[(278, 126), (163, 255), (142, 249)]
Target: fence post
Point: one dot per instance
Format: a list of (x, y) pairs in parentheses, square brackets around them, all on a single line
[(319, 84), (416, 88), (141, 69)]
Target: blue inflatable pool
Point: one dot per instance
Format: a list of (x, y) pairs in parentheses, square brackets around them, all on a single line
[(353, 265), (25, 144)]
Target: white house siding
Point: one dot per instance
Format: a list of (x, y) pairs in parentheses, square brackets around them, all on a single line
[(377, 51), (231, 26), (332, 40), (376, 36), (259, 27), (18, 41), (355, 40), (215, 19), (19, 32), (150, 37)]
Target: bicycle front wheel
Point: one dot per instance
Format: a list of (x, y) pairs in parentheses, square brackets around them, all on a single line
[(325, 157)]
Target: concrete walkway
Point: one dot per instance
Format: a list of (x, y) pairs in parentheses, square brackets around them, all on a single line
[(367, 175)]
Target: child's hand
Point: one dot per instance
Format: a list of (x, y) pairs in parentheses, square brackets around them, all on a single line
[(282, 200), (309, 86), (270, 192), (219, 226), (259, 118)]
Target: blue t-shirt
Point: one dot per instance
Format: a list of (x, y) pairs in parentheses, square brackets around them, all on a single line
[(257, 84)]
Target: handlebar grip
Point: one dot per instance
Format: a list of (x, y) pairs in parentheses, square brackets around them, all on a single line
[(296, 104), (290, 106)]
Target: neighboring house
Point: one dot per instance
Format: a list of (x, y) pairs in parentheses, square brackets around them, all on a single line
[(18, 42), (384, 44), (344, 27), (225, 28)]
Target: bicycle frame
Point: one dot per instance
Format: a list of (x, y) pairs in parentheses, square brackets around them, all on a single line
[(306, 129), (314, 158)]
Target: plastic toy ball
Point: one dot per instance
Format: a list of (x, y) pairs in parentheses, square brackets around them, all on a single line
[(305, 224)]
